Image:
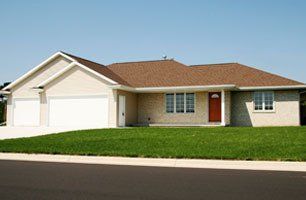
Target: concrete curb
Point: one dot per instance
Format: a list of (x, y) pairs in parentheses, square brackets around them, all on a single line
[(158, 162)]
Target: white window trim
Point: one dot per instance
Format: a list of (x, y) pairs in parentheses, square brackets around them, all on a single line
[(174, 103), (194, 102), (263, 102), (184, 102)]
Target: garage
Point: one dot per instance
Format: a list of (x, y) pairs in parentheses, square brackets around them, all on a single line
[(80, 111), (26, 112)]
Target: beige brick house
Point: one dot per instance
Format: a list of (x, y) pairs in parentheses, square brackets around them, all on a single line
[(69, 91)]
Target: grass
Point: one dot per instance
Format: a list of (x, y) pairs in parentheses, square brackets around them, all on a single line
[(273, 143)]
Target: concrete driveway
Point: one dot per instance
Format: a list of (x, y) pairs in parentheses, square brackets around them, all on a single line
[(20, 132)]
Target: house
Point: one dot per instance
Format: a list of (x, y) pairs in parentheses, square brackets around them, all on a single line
[(66, 90)]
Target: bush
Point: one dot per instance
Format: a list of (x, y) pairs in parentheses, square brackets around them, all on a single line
[(2, 111)]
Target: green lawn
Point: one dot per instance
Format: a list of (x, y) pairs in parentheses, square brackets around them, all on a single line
[(276, 143)]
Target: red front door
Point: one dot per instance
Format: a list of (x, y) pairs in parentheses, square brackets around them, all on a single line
[(214, 106)]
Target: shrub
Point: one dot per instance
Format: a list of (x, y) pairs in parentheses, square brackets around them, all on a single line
[(2, 111)]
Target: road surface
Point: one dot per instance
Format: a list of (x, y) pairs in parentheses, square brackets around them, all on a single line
[(38, 180)]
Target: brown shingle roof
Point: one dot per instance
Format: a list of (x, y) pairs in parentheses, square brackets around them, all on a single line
[(99, 68), (242, 75), (172, 73), (161, 73), (166, 73)]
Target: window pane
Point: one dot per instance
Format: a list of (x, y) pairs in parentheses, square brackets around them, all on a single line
[(268, 97), (180, 101), (169, 103), (190, 102), (258, 101)]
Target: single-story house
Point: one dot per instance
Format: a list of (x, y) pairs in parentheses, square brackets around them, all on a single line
[(66, 90)]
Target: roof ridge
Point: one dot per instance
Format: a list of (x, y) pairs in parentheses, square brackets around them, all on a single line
[(104, 67), (214, 64), (128, 62)]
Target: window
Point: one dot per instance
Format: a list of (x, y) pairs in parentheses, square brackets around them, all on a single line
[(263, 101), (258, 96), (180, 102), (189, 102), (170, 103), (268, 100)]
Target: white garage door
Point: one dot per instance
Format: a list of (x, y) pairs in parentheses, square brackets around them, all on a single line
[(79, 112), (26, 112)]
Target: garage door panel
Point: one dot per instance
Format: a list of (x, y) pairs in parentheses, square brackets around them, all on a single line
[(26, 112), (90, 112)]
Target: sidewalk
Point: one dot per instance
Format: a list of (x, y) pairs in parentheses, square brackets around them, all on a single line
[(158, 162)]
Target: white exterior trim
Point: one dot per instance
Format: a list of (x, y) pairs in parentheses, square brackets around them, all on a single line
[(4, 92), (70, 66), (222, 108), (122, 87), (273, 87), (184, 88), (174, 88), (174, 103), (32, 71), (96, 73), (56, 75), (263, 103), (201, 88)]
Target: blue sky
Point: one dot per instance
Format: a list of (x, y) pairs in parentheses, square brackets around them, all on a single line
[(270, 35)]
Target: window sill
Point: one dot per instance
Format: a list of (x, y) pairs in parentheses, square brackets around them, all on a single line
[(263, 111), (179, 113)]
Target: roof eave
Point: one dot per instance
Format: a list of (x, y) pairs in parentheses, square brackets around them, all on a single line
[(175, 88), (4, 92), (75, 62), (32, 71), (281, 87)]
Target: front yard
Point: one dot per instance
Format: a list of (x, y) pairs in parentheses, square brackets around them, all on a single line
[(277, 143)]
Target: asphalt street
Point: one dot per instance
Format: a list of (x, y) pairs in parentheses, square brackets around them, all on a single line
[(38, 180)]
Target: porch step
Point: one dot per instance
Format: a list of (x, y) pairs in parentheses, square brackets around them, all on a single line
[(179, 125)]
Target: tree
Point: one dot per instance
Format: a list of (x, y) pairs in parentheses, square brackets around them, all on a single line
[(3, 103), (1, 95), (2, 99)]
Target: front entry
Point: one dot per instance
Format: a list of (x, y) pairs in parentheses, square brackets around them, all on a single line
[(214, 106), (121, 110)]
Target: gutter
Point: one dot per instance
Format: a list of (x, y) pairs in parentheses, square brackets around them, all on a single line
[(287, 87), (122, 87), (38, 89), (4, 92), (175, 88), (231, 87), (184, 88)]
